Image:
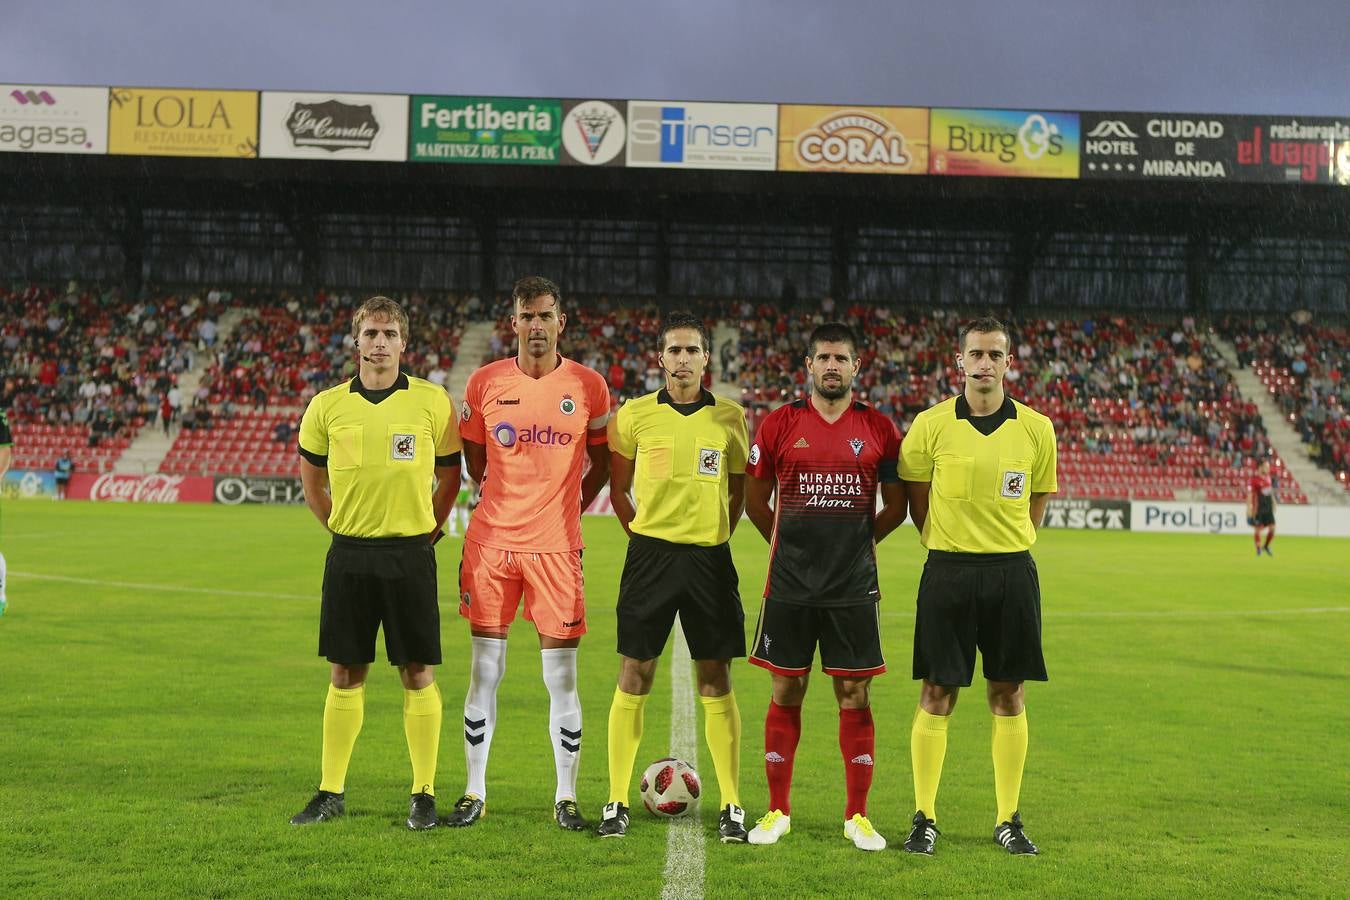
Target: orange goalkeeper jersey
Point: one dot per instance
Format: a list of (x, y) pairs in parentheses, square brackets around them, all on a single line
[(536, 431)]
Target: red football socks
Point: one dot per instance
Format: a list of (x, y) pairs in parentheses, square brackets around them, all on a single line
[(857, 741), (782, 731)]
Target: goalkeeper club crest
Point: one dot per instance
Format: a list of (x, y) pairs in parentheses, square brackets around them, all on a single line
[(1014, 485), (403, 446)]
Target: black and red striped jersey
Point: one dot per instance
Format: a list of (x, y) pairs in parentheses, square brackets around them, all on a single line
[(822, 552)]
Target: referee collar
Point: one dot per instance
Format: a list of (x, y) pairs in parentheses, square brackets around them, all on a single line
[(986, 425), (705, 398), (400, 384)]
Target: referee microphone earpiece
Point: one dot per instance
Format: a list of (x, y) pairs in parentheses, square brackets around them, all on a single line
[(364, 358)]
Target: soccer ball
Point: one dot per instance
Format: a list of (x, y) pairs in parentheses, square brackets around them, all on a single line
[(670, 788)]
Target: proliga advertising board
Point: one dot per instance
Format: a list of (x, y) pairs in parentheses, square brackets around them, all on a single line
[(864, 139), (170, 122), (1231, 518), (679, 135), (1004, 143), (594, 132), (1090, 515), (494, 130), (334, 126), (53, 119)]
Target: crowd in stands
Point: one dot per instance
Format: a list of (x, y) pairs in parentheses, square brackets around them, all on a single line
[(1303, 364), (1141, 406)]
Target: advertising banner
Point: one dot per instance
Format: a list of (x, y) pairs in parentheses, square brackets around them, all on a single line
[(234, 490), (1004, 143), (334, 126), (25, 483), (511, 130), (676, 135), (869, 139), (154, 488), (1231, 518), (1091, 515), (594, 133), (1158, 146), (171, 122), (53, 119), (1293, 151)]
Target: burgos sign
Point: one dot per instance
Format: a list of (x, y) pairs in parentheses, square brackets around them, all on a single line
[(1004, 142), (52, 119), (679, 135)]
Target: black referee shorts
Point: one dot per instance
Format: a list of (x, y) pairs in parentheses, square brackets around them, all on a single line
[(661, 579), (989, 601), (372, 581)]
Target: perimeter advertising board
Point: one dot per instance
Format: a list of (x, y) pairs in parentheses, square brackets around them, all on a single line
[(1192, 147), (882, 140), (53, 119), (28, 483), (1003, 143), (495, 130), (334, 126), (594, 132), (1090, 515), (235, 490), (171, 122), (678, 135), (154, 488)]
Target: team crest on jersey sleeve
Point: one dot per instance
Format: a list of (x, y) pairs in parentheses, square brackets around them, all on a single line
[(465, 411), (403, 446), (1014, 484), (754, 454)]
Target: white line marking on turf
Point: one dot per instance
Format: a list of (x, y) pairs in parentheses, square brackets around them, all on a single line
[(684, 837), (173, 588), (1051, 615)]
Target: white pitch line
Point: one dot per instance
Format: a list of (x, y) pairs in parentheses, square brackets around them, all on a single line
[(684, 837), (1050, 615), (172, 588)]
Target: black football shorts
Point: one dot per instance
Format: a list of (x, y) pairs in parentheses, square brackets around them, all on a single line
[(369, 582)]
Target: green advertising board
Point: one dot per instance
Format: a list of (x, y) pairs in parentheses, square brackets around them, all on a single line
[(510, 130)]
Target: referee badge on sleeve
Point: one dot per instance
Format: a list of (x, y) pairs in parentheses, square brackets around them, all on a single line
[(403, 446), (709, 462), (1014, 484)]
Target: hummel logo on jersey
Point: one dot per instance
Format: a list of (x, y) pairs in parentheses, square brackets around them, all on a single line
[(801, 444), (515, 402), (857, 445), (774, 756), (864, 760)]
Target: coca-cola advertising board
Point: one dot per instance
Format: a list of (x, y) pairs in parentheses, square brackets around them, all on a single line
[(115, 487)]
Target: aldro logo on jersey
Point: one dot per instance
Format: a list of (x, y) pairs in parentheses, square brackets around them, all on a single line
[(508, 436)]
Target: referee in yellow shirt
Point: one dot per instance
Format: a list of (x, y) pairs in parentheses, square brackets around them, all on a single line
[(681, 452), (371, 450), (978, 469)]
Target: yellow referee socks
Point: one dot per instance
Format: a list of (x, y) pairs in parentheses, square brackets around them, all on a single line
[(343, 713), (722, 730), (625, 733), (927, 749), (1010, 755), (422, 727)]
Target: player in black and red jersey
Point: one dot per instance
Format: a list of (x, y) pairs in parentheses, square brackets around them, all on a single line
[(1261, 507), (825, 457)]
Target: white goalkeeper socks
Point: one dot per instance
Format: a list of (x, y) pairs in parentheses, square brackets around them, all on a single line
[(480, 710), (564, 717)]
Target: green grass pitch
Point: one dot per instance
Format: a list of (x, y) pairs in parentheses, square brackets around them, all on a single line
[(160, 708)]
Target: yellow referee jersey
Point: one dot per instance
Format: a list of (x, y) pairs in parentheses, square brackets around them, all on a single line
[(381, 449), (683, 461), (981, 483)]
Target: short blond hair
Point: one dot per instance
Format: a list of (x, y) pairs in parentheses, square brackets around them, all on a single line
[(380, 306)]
